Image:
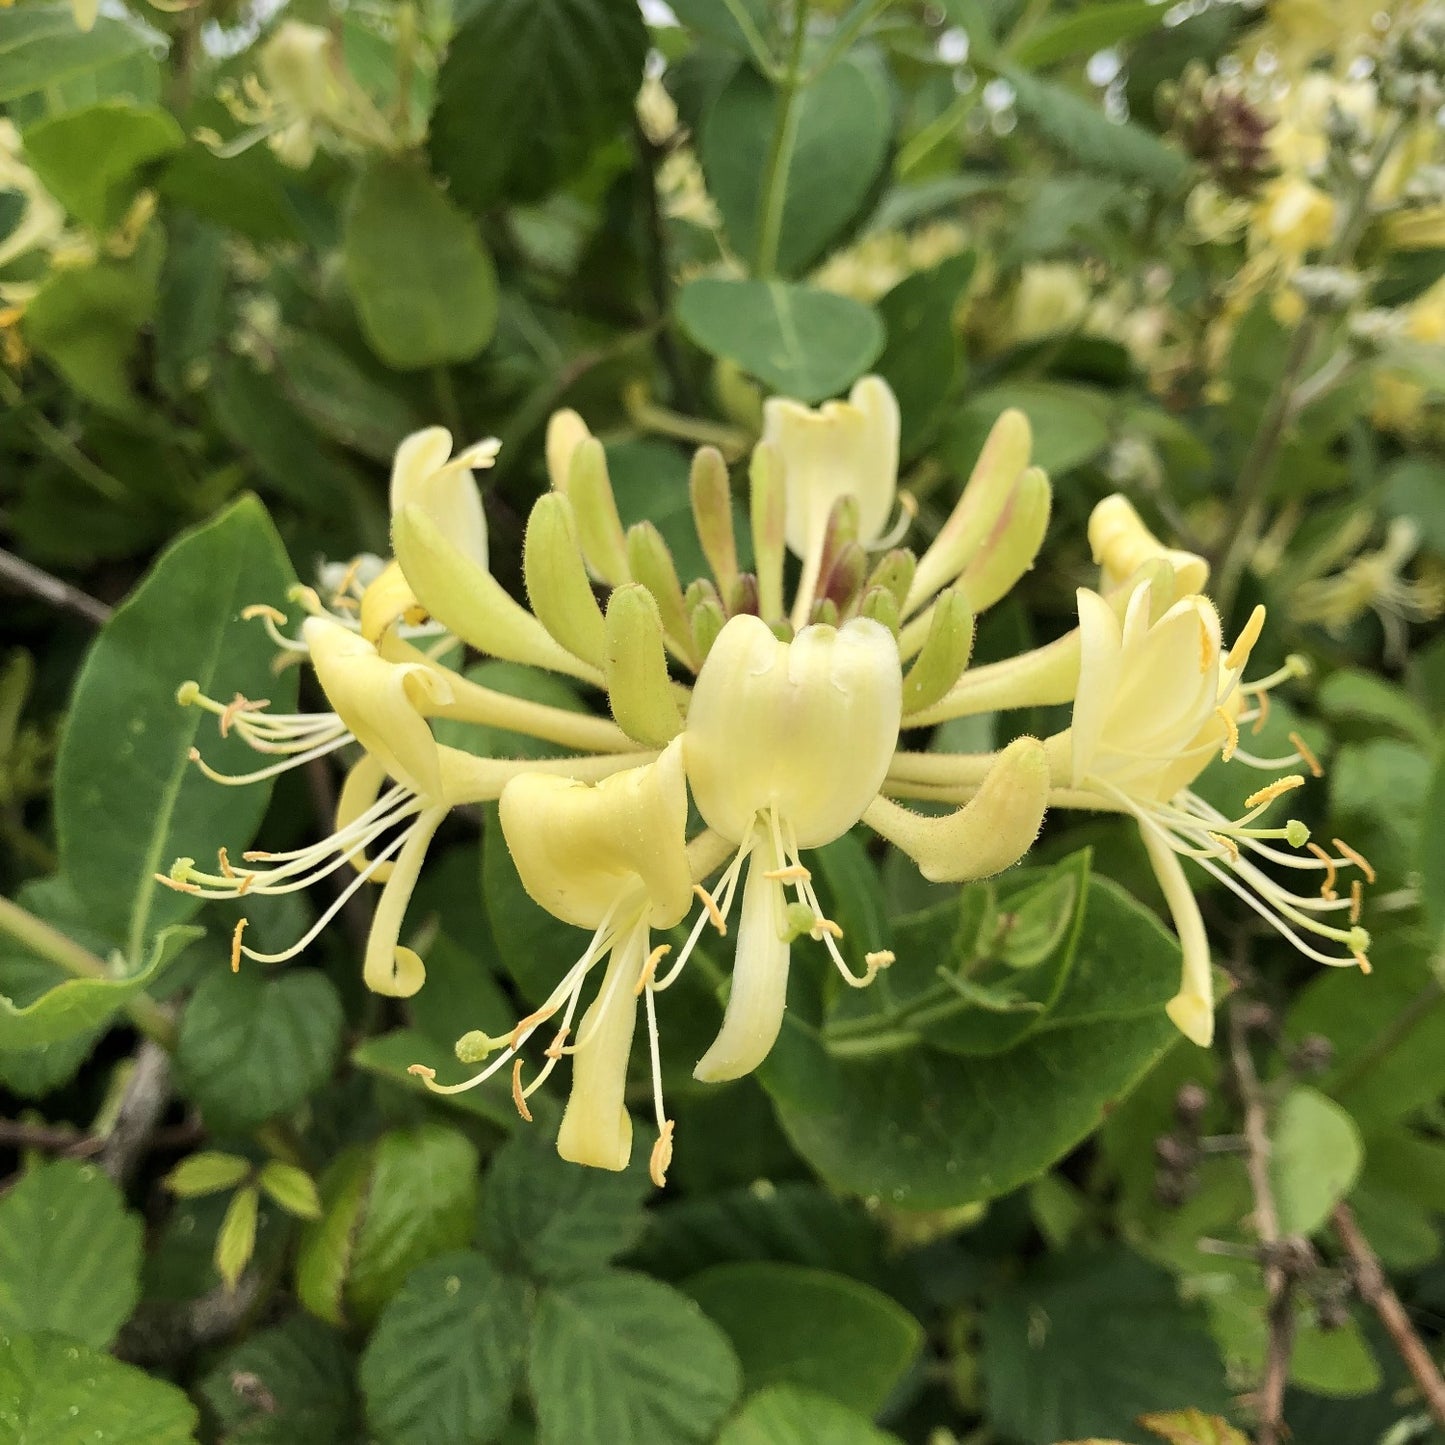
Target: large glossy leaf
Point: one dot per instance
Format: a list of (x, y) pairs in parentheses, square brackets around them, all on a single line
[(839, 140), (420, 276), (528, 89), (804, 343), (619, 1357), (128, 801), (54, 1391), (925, 1129), (69, 1254), (443, 1360), (786, 1415), (797, 1326)]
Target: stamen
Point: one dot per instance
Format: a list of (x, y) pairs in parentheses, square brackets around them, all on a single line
[(1276, 789), (518, 1097), (1262, 700), (178, 884), (713, 912), (1244, 644), (1327, 888), (554, 1050), (1363, 962), (1355, 857), (649, 969), (236, 946), (1227, 843), (421, 1071), (345, 583), (1357, 899), (226, 870), (263, 609), (822, 926), (661, 1155), (1311, 761), (793, 873), (883, 958), (295, 761), (236, 707), (1231, 729)]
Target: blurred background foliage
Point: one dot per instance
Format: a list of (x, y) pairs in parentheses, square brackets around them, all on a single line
[(245, 248)]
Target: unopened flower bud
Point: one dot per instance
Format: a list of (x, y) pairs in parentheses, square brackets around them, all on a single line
[(1011, 551), (557, 583), (650, 562), (565, 432), (599, 528), (638, 686), (712, 514), (945, 652), (1122, 544)]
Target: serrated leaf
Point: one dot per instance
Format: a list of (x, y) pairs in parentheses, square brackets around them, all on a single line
[(325, 1252), (127, 799), (208, 1172), (78, 1005), (421, 278), (299, 1388), (40, 46), (70, 1254), (55, 1391), (786, 1415), (840, 130), (802, 343), (252, 1047), (1315, 1157), (292, 1188), (443, 1360), (807, 1327), (527, 91), (1083, 131), (236, 1242), (553, 1219), (91, 159), (617, 1356)]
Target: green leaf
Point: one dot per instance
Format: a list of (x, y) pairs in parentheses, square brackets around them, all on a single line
[(617, 1357), (79, 1005), (70, 1254), (1088, 1343), (391, 1055), (127, 799), (300, 1375), (802, 343), (840, 131), (86, 320), (236, 1242), (54, 1391), (930, 1130), (921, 360), (553, 1219), (1083, 131), (40, 46), (528, 90), (797, 1326), (1070, 423), (1431, 850), (1351, 695), (786, 1415), (1081, 32), (325, 1251), (208, 1172), (91, 159), (420, 276), (443, 1360), (420, 1201), (292, 1188), (252, 1047), (719, 21), (1314, 1159)]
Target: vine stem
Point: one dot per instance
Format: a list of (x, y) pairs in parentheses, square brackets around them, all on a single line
[(1376, 1291), (65, 953), (780, 151)]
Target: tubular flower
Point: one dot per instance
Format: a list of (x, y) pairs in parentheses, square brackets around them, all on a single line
[(786, 745), (612, 858), (1156, 701)]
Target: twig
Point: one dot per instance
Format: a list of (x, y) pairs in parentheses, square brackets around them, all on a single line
[(1376, 1291), (30, 578), (146, 1097), (50, 1138), (1278, 1282), (159, 1335)]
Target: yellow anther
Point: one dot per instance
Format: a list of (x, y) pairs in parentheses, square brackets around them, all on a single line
[(422, 1071), (1244, 644), (554, 1049), (1276, 789), (526, 1025), (518, 1097), (793, 873), (236, 707), (714, 915), (661, 1155), (179, 884), (1327, 888), (1228, 844), (1207, 653), (263, 609), (1355, 857), (1262, 700), (825, 925), (236, 946), (883, 958), (1231, 734), (1357, 899), (1310, 760), (1362, 961), (226, 870), (649, 969)]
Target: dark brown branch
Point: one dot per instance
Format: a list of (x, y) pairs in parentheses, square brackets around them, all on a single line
[(147, 1096), (1376, 1291), (30, 578)]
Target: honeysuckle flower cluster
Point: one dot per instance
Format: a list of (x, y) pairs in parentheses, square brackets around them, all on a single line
[(772, 695)]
